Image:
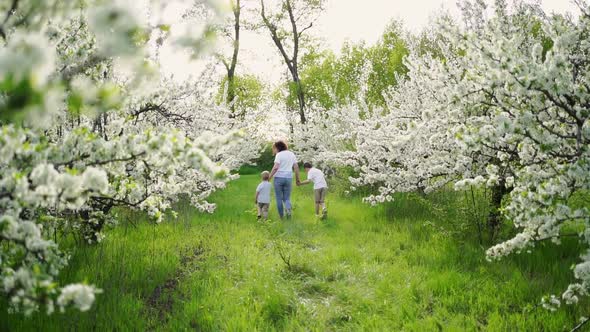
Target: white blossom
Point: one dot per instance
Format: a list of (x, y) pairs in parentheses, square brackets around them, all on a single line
[(81, 296)]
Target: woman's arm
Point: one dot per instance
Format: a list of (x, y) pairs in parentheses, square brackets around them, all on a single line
[(296, 170), (274, 170)]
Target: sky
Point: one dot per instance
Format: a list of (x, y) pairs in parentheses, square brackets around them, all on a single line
[(343, 20), (365, 19)]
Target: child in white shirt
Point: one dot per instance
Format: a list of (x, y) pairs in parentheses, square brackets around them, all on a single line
[(320, 188), (263, 196)]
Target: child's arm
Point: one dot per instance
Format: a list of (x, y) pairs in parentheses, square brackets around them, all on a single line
[(301, 183), (256, 199)]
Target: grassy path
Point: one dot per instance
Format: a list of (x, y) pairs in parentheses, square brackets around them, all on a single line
[(363, 269)]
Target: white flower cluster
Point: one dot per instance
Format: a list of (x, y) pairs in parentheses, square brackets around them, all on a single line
[(81, 295), (117, 28), (23, 285)]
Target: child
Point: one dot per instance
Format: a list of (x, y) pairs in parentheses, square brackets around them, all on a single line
[(263, 196), (320, 188)]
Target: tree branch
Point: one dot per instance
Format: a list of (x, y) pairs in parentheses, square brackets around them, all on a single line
[(275, 38), (580, 325), (10, 12)]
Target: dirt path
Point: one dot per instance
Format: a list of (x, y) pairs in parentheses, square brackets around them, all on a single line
[(161, 301)]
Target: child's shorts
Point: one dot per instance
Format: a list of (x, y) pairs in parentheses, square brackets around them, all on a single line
[(320, 194), (263, 206)]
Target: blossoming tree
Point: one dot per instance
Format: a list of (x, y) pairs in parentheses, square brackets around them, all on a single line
[(82, 133), (505, 106), (528, 106)]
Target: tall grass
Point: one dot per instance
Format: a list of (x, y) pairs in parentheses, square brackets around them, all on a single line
[(403, 266)]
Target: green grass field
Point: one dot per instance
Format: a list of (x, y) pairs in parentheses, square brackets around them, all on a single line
[(385, 269)]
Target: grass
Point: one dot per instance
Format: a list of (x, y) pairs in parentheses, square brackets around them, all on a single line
[(387, 268)]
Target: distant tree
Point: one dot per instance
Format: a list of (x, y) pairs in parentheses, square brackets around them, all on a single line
[(318, 73), (332, 80), (230, 65), (247, 93), (287, 24), (386, 59), (229, 30), (359, 73)]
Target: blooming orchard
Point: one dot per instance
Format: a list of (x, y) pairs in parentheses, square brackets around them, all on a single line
[(88, 125), (82, 133)]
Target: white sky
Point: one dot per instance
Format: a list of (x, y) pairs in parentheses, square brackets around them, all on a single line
[(343, 20), (366, 19)]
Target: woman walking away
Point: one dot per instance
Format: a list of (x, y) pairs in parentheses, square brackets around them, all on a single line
[(285, 165)]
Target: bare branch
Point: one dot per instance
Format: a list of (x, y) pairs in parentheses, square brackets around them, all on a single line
[(304, 29)]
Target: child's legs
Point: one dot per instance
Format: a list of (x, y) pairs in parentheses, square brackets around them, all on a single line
[(264, 209), (258, 209), (279, 195), (320, 199)]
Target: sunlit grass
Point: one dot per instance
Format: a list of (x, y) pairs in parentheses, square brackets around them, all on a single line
[(387, 268)]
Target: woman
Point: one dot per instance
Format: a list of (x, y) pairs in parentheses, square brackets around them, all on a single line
[(285, 165)]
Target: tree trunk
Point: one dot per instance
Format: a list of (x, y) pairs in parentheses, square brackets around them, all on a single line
[(494, 217), (231, 68), (300, 99), (231, 94)]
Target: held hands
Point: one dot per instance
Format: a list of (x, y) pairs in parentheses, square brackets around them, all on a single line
[(298, 182)]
